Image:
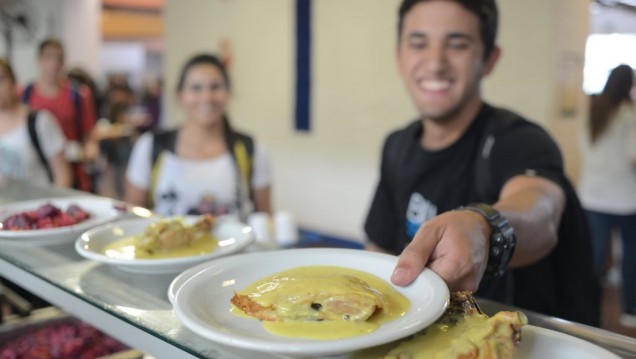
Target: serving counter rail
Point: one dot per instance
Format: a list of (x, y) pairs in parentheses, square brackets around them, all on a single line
[(134, 308)]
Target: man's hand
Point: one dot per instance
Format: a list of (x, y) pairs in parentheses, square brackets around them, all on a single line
[(454, 245)]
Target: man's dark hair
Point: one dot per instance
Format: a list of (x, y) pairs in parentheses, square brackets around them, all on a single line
[(50, 42), (485, 10)]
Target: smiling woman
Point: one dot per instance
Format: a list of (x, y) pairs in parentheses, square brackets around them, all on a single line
[(205, 166)]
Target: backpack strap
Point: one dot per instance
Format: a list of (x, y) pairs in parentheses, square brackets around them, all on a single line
[(26, 94), (483, 181), (241, 147), (77, 106), (161, 142), (35, 141)]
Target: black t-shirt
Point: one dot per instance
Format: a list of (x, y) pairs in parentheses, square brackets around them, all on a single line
[(417, 184)]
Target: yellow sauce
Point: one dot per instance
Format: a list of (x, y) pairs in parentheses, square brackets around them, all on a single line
[(444, 341), (396, 304), (126, 249)]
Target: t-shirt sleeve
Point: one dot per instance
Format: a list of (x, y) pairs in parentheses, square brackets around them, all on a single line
[(262, 176), (526, 150), (381, 223), (139, 166), (49, 133)]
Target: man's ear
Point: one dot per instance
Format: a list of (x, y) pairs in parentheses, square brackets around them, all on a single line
[(492, 60)]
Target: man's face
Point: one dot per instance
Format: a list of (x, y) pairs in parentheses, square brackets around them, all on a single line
[(441, 58), (51, 61)]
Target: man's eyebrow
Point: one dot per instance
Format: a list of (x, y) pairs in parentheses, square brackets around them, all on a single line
[(461, 36)]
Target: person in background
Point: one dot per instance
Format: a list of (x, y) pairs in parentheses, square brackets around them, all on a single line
[(72, 106), (151, 99), (469, 189), (204, 166), (608, 178), (19, 157)]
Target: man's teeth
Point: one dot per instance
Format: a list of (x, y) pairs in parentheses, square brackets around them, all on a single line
[(434, 85)]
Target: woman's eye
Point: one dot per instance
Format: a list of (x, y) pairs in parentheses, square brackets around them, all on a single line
[(196, 88), (216, 87)]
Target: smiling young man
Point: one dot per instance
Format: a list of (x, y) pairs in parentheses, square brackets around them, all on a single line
[(467, 189)]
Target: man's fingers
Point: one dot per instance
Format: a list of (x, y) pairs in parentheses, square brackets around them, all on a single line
[(459, 276), (414, 258)]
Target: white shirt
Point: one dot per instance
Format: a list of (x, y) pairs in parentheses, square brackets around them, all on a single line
[(18, 157), (183, 186), (608, 178)]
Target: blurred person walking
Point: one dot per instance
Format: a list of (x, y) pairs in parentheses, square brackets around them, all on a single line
[(31, 143), (73, 107), (608, 178)]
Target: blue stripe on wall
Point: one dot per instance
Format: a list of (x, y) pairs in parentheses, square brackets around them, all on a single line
[(303, 65)]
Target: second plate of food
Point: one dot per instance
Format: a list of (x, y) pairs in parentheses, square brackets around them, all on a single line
[(163, 245), (306, 302)]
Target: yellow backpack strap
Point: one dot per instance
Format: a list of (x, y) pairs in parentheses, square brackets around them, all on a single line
[(242, 161), (154, 175)]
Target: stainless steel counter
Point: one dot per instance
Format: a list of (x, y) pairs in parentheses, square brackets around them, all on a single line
[(134, 308)]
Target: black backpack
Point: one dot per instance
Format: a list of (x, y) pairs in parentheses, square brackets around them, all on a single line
[(563, 284)]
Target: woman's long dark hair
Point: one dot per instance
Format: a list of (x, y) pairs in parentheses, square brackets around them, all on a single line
[(604, 106)]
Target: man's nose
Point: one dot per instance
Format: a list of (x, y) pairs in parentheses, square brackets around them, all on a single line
[(436, 59)]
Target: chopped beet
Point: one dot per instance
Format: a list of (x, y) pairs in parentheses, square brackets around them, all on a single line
[(47, 216)]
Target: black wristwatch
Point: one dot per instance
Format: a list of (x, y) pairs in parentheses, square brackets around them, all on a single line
[(502, 239)]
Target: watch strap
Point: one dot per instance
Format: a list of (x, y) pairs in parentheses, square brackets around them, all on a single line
[(502, 239)]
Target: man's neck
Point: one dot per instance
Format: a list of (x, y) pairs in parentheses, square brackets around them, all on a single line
[(438, 135)]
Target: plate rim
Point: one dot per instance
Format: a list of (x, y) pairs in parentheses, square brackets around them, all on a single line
[(20, 236), (299, 346), (571, 339), (141, 263)]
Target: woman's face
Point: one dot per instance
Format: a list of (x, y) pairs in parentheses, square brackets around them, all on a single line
[(204, 94), (7, 89)]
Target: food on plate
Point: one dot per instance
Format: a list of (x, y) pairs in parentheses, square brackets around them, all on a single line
[(168, 238), (463, 332), (45, 217), (320, 302)]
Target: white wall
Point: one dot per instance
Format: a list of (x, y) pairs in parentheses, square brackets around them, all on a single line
[(123, 57), (327, 177), (75, 22)]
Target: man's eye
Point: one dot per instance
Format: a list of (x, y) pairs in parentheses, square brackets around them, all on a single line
[(458, 45), (417, 44)]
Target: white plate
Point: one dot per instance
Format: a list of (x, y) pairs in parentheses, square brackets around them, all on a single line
[(101, 210), (541, 343), (233, 236), (202, 302)]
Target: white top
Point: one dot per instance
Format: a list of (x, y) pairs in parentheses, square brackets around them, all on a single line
[(18, 157), (608, 177), (193, 186)]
